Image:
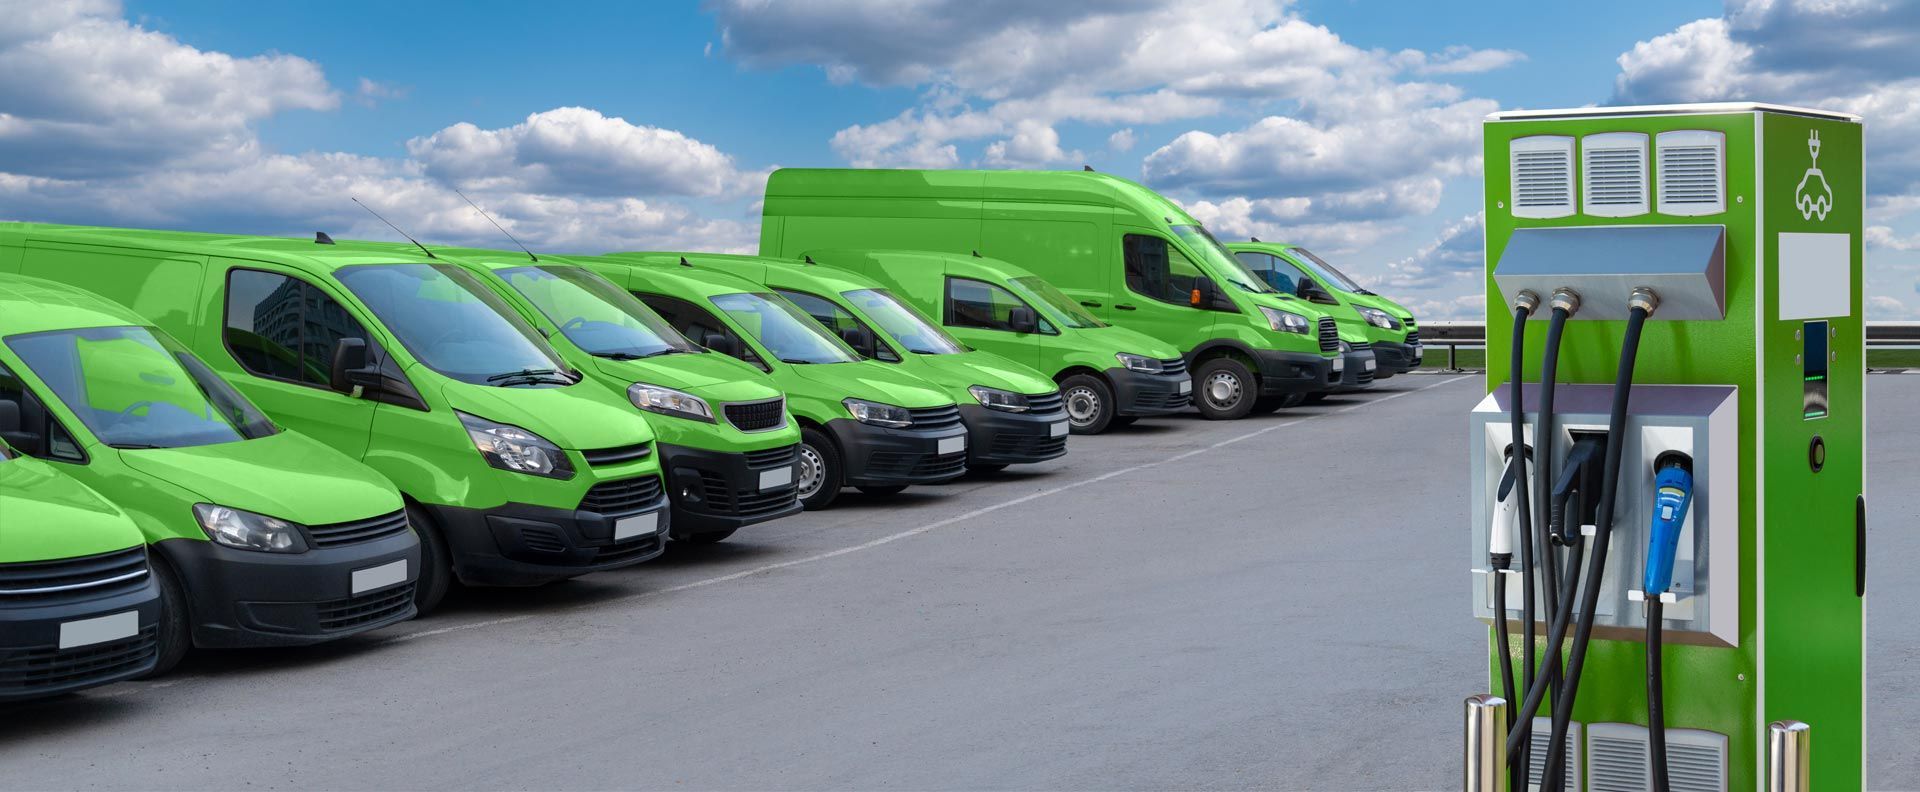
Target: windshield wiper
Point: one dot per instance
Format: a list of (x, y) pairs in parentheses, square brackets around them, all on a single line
[(796, 361), (530, 374), (135, 446), (640, 355)]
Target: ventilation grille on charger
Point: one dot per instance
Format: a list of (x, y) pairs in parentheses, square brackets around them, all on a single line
[(1692, 172), (1614, 182), (1542, 176), (1619, 759), (1538, 740)]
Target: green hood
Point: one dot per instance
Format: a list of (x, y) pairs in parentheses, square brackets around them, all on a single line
[(580, 417), (717, 378), (956, 373), (287, 475), (873, 381), (1121, 339), (1376, 301), (44, 515)]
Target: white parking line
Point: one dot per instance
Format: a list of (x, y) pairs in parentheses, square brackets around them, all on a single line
[(912, 532)]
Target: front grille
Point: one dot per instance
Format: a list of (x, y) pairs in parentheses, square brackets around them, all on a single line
[(1329, 334), (615, 456), (71, 579), (638, 546), (376, 606), (1035, 446), (899, 464), (723, 499), (49, 667), (935, 417), (757, 416), (1174, 366), (626, 496), (1413, 337), (543, 540), (358, 531), (1161, 400), (772, 457), (1361, 346), (1045, 403)]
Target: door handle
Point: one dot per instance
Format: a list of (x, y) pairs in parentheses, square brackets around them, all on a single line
[(1123, 306), (1090, 303)]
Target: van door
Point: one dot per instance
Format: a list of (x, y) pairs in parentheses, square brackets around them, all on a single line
[(1156, 298), (978, 313), (162, 287), (280, 329)]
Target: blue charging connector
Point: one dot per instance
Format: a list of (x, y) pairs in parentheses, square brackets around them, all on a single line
[(1672, 494)]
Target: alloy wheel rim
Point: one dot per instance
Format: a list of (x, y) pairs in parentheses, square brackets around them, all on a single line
[(1082, 406), (811, 466), (1223, 390)]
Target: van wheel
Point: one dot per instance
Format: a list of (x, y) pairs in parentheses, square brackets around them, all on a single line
[(883, 490), (818, 474), (176, 623), (707, 537), (1225, 389), (436, 563), (1089, 403)]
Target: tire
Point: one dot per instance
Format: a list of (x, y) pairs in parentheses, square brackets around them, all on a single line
[(1314, 398), (986, 467), (1089, 403), (883, 490), (1223, 389), (819, 473), (176, 622), (436, 563), (706, 537), (1267, 404)]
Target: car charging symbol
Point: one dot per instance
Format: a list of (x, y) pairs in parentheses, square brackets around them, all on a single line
[(1814, 196)]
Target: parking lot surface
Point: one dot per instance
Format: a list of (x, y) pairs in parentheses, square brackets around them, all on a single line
[(1269, 603)]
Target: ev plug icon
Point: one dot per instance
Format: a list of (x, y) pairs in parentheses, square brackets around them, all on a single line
[(1814, 196)]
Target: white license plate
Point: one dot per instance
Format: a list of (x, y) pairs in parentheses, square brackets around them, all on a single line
[(1339, 364), (99, 629), (638, 525), (1418, 350), (1371, 363), (1058, 430), (379, 577), (776, 478), (952, 445), (1186, 386)]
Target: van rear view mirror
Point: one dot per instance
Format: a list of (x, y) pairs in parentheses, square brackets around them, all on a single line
[(1021, 319), (349, 371)]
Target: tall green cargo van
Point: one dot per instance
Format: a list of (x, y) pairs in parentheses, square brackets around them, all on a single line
[(1132, 257), (514, 472), (863, 423), (1390, 329), (260, 536)]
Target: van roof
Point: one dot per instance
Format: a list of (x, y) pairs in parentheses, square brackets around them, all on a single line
[(1084, 187), (706, 276), (33, 305), (953, 261), (300, 252)]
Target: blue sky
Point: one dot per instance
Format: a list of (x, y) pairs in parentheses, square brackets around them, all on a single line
[(1351, 126)]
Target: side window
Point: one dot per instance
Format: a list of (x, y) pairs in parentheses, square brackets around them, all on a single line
[(701, 326), (27, 426), (1281, 275), (285, 328), (1157, 270), (972, 303), (833, 317)]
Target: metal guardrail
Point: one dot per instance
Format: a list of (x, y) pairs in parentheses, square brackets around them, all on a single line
[(1473, 335)]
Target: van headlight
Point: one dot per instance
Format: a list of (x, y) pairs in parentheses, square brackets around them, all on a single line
[(1285, 321), (1378, 318), (878, 414), (667, 401), (515, 449), (996, 399), (1141, 363), (248, 531)]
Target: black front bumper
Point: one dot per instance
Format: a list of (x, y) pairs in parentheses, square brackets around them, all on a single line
[(244, 598), (33, 664), (1285, 373), (1137, 393), (518, 544), (1395, 358), (878, 456), (997, 437), (716, 491), (1357, 374)]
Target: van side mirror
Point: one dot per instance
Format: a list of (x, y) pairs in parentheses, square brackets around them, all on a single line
[(719, 341), (1311, 292), (13, 430), (1207, 297), (860, 338), (349, 370), (1022, 319)]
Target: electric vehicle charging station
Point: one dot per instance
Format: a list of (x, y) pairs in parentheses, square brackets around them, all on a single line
[(1676, 291)]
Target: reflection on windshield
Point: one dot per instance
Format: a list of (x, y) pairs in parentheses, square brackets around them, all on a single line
[(134, 389), (1223, 260), (1071, 313), (453, 324), (1325, 270), (906, 325), (787, 332), (597, 316)]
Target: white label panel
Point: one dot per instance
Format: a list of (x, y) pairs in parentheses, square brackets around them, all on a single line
[(776, 478), (637, 525), (1816, 272), (952, 445), (382, 576), (100, 629), (1186, 386), (1057, 430)]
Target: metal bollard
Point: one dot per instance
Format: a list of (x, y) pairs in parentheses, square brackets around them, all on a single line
[(1486, 744), (1789, 756)]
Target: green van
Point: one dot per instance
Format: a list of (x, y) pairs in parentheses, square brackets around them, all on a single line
[(1014, 415), (260, 536), (863, 423), (1292, 269), (1108, 376), (78, 607), (726, 446), (1132, 257), (514, 474)]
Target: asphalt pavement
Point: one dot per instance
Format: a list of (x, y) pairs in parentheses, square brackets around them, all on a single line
[(1269, 603)]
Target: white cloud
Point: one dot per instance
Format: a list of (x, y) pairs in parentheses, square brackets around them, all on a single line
[(1456, 255), (1033, 145), (1121, 142), (371, 93), (1881, 237), (578, 150)]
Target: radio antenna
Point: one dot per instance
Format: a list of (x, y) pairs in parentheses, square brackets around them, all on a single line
[(396, 229), (483, 213)]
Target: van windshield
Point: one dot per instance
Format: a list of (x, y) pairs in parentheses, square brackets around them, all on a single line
[(597, 316), (1071, 313), (900, 321), (1223, 260), (455, 325), (135, 389), (1325, 270), (786, 331)]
